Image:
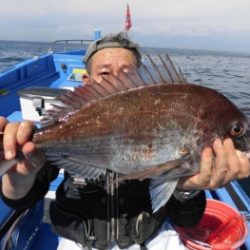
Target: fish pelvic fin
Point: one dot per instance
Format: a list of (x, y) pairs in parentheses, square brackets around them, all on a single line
[(164, 178), (160, 191)]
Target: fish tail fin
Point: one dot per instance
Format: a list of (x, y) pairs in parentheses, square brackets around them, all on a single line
[(5, 165), (1, 147)]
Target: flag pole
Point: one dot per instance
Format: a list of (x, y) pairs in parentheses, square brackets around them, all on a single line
[(128, 23)]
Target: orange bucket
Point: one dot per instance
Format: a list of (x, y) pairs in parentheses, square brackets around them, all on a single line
[(221, 228)]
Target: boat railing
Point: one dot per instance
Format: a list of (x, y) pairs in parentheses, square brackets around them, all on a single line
[(66, 45)]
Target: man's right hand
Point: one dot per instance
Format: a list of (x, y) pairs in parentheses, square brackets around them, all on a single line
[(20, 178)]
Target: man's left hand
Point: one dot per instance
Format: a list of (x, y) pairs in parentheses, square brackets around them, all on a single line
[(218, 168)]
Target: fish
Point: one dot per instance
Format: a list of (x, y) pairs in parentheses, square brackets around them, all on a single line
[(148, 123)]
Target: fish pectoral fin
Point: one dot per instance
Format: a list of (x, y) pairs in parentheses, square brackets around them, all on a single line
[(160, 191), (152, 171)]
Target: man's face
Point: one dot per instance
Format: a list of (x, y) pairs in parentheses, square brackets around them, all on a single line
[(110, 61)]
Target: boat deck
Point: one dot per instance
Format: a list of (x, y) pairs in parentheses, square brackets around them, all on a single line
[(64, 71)]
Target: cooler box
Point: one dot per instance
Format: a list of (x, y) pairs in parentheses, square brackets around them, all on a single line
[(35, 100)]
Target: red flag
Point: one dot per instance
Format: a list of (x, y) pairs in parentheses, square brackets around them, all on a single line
[(128, 22)]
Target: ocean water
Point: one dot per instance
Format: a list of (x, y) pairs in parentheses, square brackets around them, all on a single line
[(12, 52), (227, 72)]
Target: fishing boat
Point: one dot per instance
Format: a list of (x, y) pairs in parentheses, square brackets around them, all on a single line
[(27, 89)]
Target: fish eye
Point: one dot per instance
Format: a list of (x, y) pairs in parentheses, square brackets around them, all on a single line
[(237, 129)]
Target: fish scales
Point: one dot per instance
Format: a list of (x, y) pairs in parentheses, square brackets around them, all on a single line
[(132, 124), (144, 105)]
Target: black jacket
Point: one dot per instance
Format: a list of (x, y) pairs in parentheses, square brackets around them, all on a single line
[(95, 214)]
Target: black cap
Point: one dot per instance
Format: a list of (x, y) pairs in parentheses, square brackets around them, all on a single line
[(102, 43)]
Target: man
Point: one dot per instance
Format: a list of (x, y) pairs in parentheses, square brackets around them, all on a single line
[(88, 214)]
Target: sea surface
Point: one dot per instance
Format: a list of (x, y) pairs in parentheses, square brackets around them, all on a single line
[(227, 72)]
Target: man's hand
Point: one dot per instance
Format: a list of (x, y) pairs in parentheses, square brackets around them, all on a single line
[(19, 179), (216, 170)]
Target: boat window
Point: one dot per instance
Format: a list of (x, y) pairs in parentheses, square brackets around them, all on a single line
[(76, 75)]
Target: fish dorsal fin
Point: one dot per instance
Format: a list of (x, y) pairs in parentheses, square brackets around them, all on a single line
[(161, 70), (149, 73)]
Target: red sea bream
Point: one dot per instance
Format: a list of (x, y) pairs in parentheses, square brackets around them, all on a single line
[(140, 125)]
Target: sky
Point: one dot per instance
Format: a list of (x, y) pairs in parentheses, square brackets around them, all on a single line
[(193, 24)]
